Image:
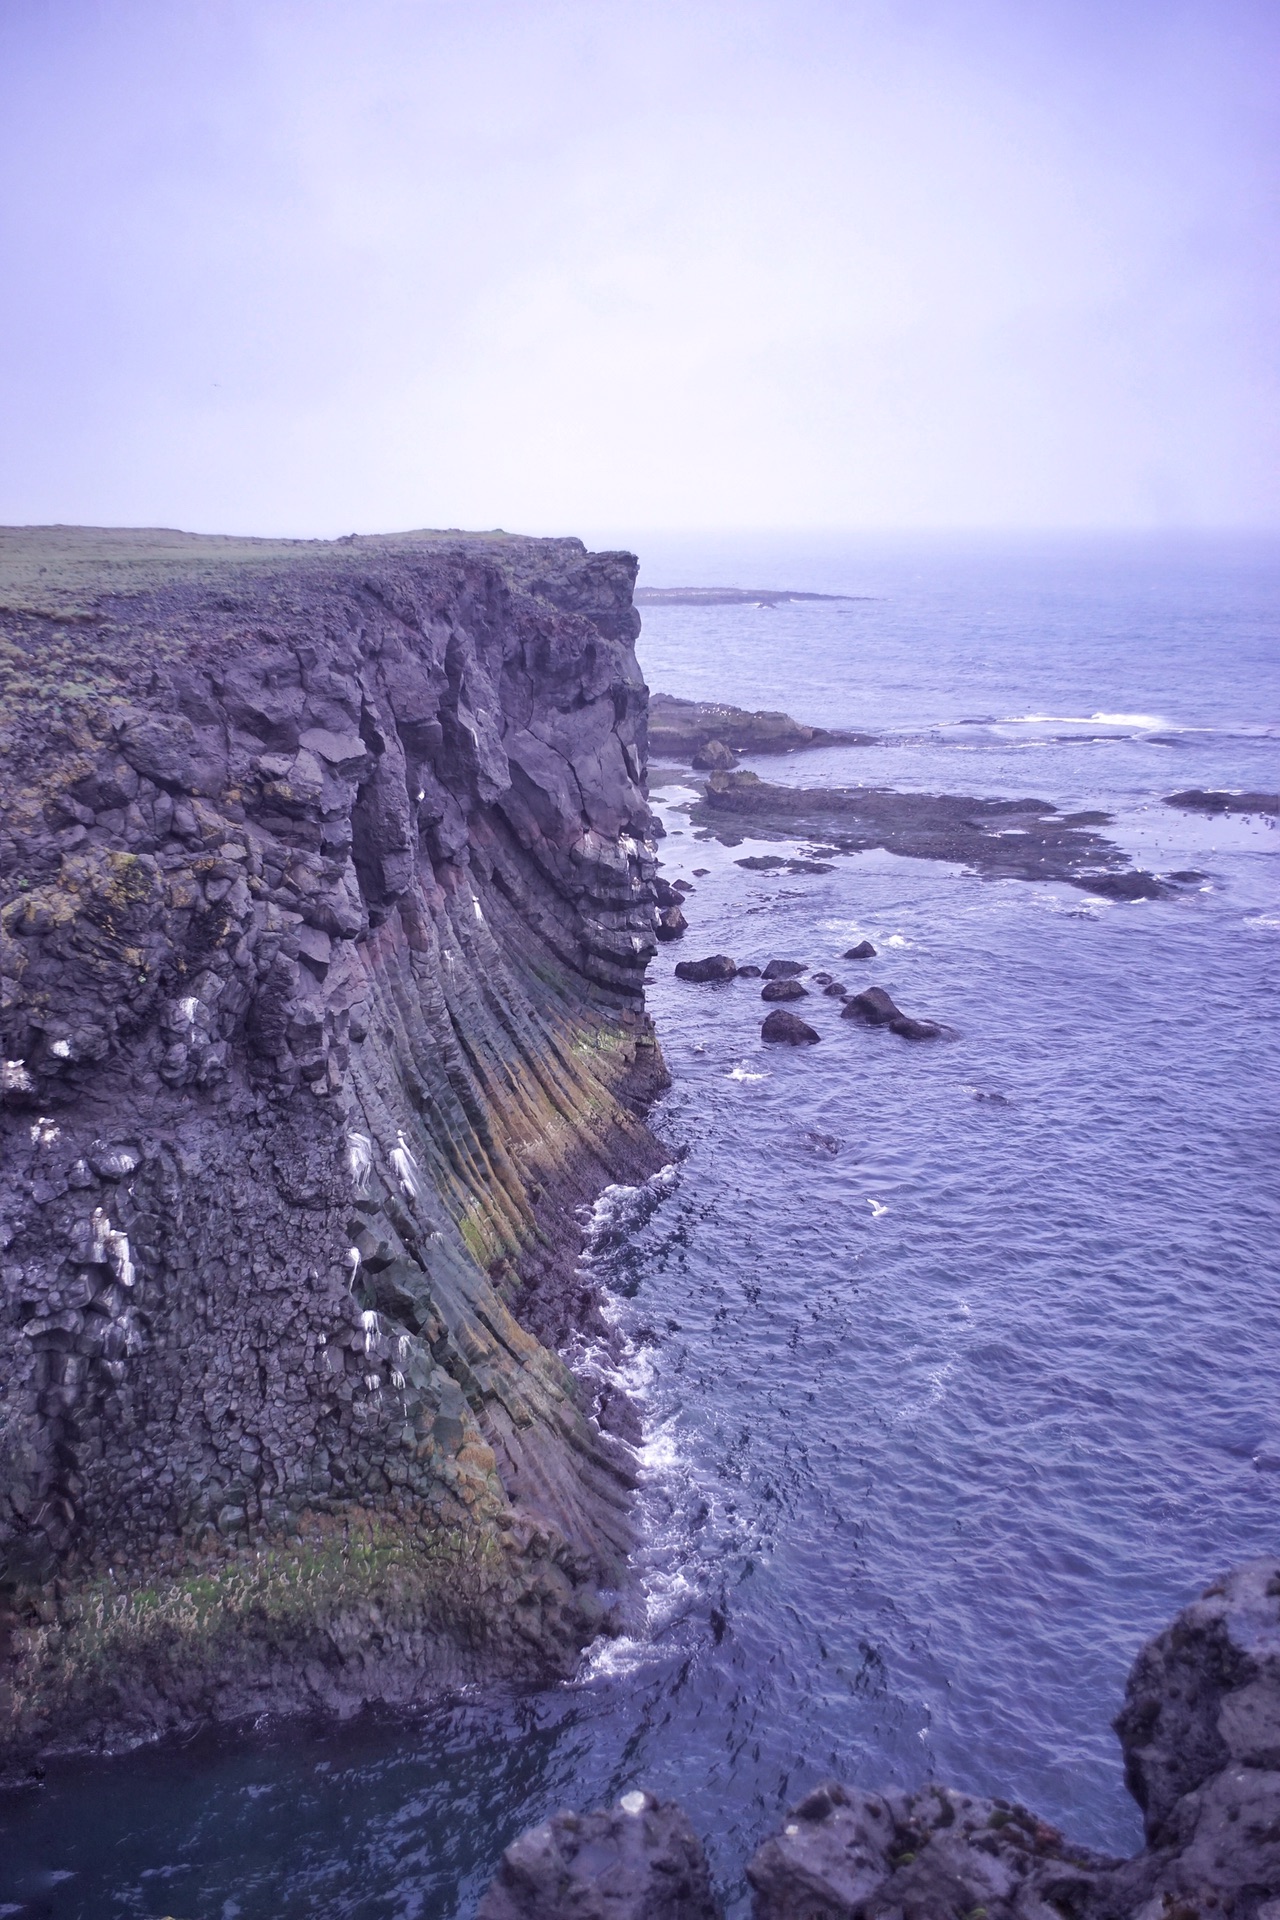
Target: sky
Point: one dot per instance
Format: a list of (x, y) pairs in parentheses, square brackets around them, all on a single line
[(314, 267)]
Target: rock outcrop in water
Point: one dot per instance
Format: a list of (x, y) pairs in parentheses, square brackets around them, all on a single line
[(1000, 839), (684, 730), (327, 898), (1200, 1728)]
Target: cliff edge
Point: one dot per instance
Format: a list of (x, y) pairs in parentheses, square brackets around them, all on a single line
[(327, 898)]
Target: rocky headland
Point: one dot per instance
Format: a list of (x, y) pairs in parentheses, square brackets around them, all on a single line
[(327, 897), (1200, 1729)]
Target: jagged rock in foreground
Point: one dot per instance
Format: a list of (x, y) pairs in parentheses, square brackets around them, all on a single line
[(640, 1860), (327, 899), (1201, 1733)]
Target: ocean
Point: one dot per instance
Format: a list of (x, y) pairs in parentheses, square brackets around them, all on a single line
[(959, 1359)]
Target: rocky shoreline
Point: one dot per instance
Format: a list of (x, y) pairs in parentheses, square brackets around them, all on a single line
[(327, 897), (1200, 1728)]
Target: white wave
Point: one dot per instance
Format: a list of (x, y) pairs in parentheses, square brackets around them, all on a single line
[(740, 1073), (1144, 721)]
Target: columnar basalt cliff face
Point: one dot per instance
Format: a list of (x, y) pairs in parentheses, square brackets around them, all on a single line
[(327, 903)]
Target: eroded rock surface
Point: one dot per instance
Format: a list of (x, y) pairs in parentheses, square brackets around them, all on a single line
[(1201, 1732), (1001, 839), (639, 1860), (327, 896)]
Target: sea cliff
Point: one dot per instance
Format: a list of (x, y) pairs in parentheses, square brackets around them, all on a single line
[(327, 889)]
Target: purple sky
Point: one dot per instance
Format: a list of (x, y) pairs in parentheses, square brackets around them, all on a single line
[(313, 266)]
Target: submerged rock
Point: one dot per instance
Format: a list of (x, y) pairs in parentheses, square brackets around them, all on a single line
[(874, 1006), (717, 966), (788, 1028), (638, 1860), (1206, 800), (909, 1029), (784, 990), (837, 990), (749, 973), (877, 1009)]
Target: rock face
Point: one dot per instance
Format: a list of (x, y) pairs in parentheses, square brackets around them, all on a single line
[(1200, 1728), (1201, 1732), (327, 896), (640, 1860)]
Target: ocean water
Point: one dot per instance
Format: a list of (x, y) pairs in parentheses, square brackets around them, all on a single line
[(959, 1360)]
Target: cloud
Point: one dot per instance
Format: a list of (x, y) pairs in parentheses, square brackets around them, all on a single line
[(313, 268)]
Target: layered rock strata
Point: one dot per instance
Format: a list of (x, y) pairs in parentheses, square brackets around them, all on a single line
[(1200, 1728), (327, 898)]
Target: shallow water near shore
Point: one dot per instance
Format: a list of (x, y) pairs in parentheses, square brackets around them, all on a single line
[(957, 1359)]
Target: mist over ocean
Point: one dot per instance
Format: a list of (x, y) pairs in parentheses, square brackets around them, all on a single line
[(958, 1360)]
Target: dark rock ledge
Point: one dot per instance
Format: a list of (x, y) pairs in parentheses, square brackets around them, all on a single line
[(326, 893), (1000, 839), (684, 729), (1200, 1727)]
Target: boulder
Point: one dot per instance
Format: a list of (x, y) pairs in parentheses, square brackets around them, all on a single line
[(908, 1029), (789, 1028), (670, 924), (874, 1006), (748, 973), (717, 966), (849, 1855), (714, 757), (863, 951), (837, 990), (784, 969), (784, 990), (1204, 1695), (638, 1860)]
